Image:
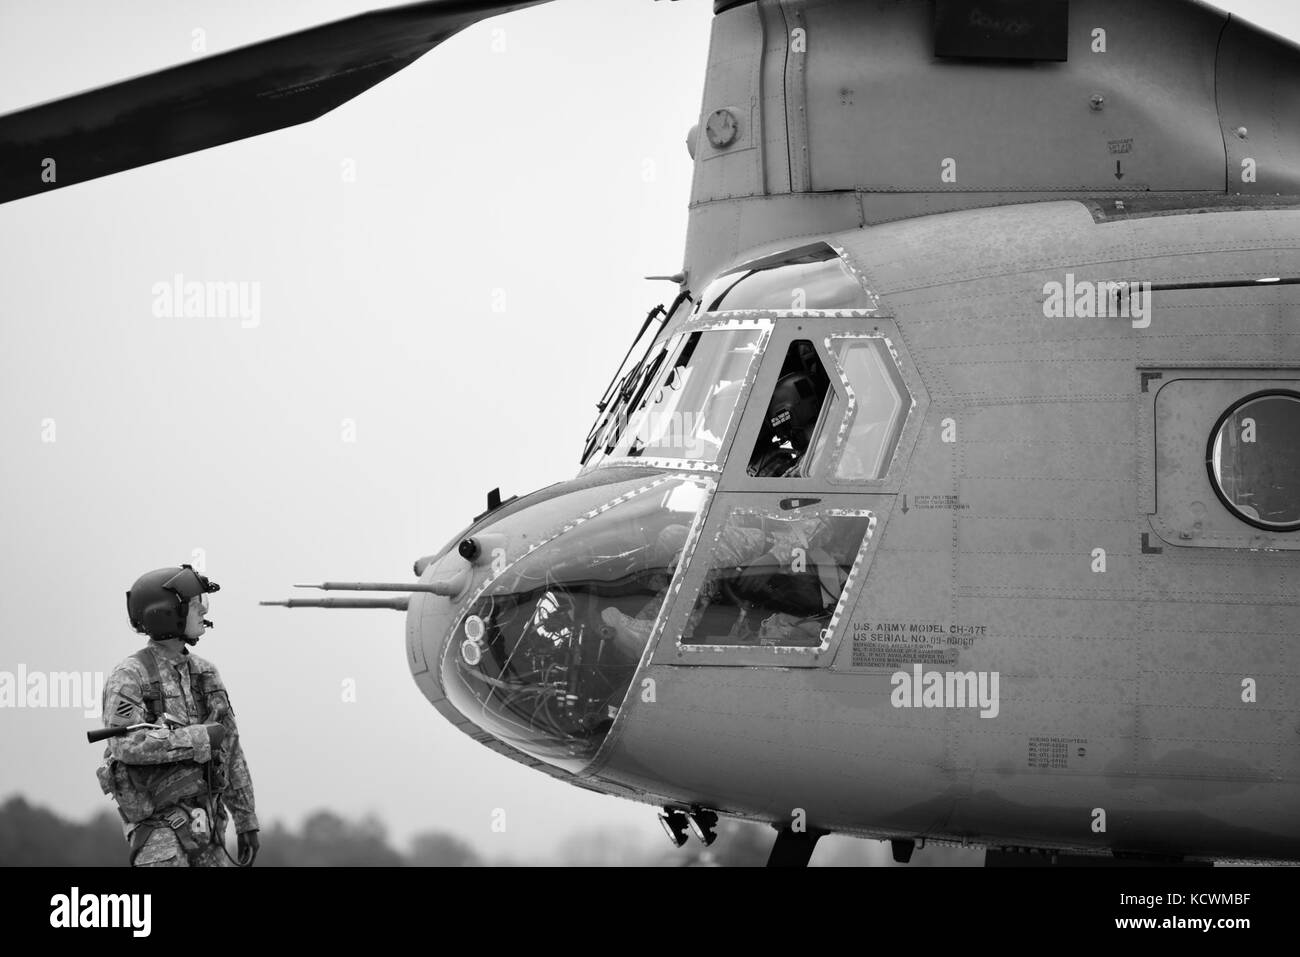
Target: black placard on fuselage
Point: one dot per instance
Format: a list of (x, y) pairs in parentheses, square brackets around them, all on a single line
[(1003, 29)]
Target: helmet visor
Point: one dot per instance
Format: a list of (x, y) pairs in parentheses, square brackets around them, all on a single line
[(187, 584)]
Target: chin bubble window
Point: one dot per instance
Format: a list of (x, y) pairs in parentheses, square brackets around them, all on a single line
[(546, 651), (777, 580), (1254, 461)]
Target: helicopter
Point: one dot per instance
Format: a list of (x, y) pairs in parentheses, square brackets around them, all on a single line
[(954, 497)]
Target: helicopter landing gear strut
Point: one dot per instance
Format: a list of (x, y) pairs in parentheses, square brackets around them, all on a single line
[(794, 848)]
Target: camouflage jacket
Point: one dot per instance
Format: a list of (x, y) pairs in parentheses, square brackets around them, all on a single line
[(153, 761)]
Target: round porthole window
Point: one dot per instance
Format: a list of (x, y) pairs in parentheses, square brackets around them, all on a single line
[(1254, 460)]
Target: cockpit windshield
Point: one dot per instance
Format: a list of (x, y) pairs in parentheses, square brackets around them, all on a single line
[(685, 413)]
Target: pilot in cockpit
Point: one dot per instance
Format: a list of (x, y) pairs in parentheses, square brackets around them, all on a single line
[(792, 416)]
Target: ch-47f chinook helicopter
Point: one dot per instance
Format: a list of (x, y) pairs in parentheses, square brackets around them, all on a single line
[(955, 497)]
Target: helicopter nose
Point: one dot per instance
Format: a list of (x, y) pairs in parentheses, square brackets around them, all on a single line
[(540, 618), (430, 619), (453, 575)]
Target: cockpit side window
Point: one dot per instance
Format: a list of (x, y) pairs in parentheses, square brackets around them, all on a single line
[(777, 579), (863, 427), (794, 411)]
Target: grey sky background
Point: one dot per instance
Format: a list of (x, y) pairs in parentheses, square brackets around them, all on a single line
[(549, 176)]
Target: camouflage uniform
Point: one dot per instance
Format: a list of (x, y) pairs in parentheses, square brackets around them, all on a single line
[(152, 772)]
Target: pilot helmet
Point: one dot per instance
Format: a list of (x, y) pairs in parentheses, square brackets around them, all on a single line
[(792, 413), (158, 603)]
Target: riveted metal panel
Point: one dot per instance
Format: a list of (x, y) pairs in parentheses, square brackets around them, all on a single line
[(771, 94), (732, 85), (796, 96), (722, 234), (1259, 100), (884, 114)]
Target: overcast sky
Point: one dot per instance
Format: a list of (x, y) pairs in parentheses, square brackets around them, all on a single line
[(547, 179)]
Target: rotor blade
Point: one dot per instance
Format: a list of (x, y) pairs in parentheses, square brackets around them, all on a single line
[(245, 92)]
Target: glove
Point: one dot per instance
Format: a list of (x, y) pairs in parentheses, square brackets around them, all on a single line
[(216, 734), (249, 843)]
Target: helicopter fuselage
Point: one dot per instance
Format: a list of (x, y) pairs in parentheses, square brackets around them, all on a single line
[(1045, 528)]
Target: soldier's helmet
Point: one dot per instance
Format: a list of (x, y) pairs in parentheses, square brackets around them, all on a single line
[(796, 403), (157, 603)]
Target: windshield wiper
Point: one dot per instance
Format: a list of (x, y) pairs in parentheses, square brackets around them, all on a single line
[(658, 310), (620, 393), (632, 386)]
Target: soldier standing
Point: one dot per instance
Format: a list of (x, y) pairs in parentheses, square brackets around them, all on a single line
[(175, 784)]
